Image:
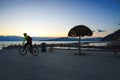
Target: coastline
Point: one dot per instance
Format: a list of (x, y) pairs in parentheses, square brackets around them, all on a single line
[(73, 45)]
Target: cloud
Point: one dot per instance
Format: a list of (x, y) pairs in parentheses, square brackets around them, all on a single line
[(99, 30)]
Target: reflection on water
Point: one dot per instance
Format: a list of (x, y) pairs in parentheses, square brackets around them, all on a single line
[(99, 43)]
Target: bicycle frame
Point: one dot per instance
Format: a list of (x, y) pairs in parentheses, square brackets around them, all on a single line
[(29, 48)]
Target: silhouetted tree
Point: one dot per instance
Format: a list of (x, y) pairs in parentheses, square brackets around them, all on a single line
[(80, 31)]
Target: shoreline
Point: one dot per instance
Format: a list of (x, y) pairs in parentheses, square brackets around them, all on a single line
[(72, 46)]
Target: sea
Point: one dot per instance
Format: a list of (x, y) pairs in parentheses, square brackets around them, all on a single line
[(7, 43)]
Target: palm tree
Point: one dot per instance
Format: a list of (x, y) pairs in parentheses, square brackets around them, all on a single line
[(80, 31)]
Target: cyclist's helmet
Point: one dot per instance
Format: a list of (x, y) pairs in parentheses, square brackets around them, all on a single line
[(24, 33)]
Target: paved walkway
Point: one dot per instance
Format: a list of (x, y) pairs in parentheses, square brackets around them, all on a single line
[(59, 65)]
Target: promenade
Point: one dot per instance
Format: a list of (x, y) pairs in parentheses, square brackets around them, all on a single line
[(59, 65)]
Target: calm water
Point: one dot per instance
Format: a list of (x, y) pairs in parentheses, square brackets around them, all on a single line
[(7, 43)]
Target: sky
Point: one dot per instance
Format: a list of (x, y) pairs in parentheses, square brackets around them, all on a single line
[(54, 18)]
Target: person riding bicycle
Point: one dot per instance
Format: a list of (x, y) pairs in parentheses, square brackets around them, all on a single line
[(28, 39)]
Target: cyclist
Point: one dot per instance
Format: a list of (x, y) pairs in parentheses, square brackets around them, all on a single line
[(28, 39)]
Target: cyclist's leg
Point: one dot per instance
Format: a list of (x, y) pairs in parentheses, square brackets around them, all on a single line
[(26, 44), (31, 48), (30, 43)]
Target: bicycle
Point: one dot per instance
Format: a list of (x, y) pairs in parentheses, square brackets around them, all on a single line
[(23, 51)]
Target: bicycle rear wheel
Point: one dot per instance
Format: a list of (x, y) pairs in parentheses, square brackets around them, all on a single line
[(22, 51), (35, 51)]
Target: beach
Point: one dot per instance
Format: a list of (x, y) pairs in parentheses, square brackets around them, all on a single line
[(59, 65)]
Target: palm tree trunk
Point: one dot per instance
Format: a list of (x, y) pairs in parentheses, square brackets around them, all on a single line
[(79, 45)]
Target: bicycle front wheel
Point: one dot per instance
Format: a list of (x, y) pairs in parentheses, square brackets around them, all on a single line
[(22, 51), (35, 51)]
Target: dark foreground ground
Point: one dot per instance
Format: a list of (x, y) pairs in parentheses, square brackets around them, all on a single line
[(59, 65)]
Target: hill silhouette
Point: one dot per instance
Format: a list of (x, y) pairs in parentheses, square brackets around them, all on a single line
[(75, 39), (18, 38), (63, 39), (11, 38), (112, 37)]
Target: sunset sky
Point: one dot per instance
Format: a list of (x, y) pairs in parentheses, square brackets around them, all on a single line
[(54, 18)]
